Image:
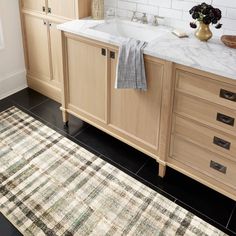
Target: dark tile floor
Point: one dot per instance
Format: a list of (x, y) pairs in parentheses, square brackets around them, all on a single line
[(209, 205)]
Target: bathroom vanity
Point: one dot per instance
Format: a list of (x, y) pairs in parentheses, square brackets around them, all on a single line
[(185, 120)]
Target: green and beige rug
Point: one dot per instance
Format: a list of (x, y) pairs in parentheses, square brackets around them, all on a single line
[(51, 186)]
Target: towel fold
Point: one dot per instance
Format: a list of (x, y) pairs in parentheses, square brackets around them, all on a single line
[(130, 71)]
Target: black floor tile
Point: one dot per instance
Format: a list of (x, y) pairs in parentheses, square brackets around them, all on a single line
[(232, 223), (203, 199), (27, 98), (5, 104), (207, 219), (50, 111), (6, 228), (113, 149)]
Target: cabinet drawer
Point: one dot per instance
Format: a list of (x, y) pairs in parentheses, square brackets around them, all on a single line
[(206, 88), (209, 114), (209, 138), (204, 161)]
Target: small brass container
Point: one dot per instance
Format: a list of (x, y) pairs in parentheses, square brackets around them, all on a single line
[(203, 32)]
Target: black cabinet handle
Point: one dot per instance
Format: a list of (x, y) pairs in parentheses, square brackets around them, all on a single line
[(221, 143), (225, 119), (228, 95), (112, 55), (44, 8), (49, 10), (103, 51), (44, 22), (217, 166)]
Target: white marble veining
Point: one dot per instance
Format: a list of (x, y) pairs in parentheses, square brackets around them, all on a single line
[(212, 56)]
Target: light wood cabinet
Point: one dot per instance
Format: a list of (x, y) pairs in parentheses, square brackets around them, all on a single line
[(42, 40), (87, 71), (203, 136), (133, 116), (36, 31), (176, 121)]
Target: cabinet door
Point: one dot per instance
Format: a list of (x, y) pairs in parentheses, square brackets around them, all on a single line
[(34, 5), (62, 8), (137, 113), (87, 79), (36, 36), (56, 54)]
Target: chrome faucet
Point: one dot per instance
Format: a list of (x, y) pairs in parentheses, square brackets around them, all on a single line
[(144, 19)]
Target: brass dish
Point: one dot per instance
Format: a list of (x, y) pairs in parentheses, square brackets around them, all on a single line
[(229, 40)]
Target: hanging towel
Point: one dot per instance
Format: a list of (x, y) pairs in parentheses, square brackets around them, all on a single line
[(130, 71)]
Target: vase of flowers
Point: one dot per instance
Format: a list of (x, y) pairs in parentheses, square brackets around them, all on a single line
[(205, 14)]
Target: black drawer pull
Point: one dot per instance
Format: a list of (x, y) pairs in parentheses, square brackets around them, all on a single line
[(49, 10), (216, 166), (221, 143), (225, 119), (103, 51), (228, 95), (44, 9)]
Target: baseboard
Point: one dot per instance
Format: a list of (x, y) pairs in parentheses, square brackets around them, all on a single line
[(12, 83)]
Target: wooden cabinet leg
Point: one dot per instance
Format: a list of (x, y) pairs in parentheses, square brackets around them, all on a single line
[(65, 117), (162, 170)]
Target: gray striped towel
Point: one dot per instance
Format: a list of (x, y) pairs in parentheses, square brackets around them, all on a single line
[(130, 71)]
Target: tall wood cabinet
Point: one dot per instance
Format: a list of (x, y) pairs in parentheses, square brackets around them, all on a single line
[(42, 40)]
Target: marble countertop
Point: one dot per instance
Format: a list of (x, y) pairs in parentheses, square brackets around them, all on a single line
[(213, 56)]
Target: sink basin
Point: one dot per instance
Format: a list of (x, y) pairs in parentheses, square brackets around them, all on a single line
[(127, 29)]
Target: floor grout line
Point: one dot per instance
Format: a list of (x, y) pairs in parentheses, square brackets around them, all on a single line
[(79, 132), (141, 167), (31, 108), (231, 215)]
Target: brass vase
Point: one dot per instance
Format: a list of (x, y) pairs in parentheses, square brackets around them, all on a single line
[(203, 32)]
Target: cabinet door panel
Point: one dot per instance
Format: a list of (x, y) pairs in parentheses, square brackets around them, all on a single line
[(36, 33), (63, 8), (56, 54), (136, 112), (87, 78), (34, 5)]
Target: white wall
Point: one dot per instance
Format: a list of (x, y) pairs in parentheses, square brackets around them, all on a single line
[(176, 11), (12, 67)]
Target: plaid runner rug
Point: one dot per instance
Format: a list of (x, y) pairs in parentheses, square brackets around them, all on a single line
[(51, 186)]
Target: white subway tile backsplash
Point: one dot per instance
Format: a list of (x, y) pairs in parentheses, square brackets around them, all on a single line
[(231, 13), (176, 12), (170, 13)]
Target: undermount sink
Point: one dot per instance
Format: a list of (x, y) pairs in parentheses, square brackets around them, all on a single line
[(127, 29)]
